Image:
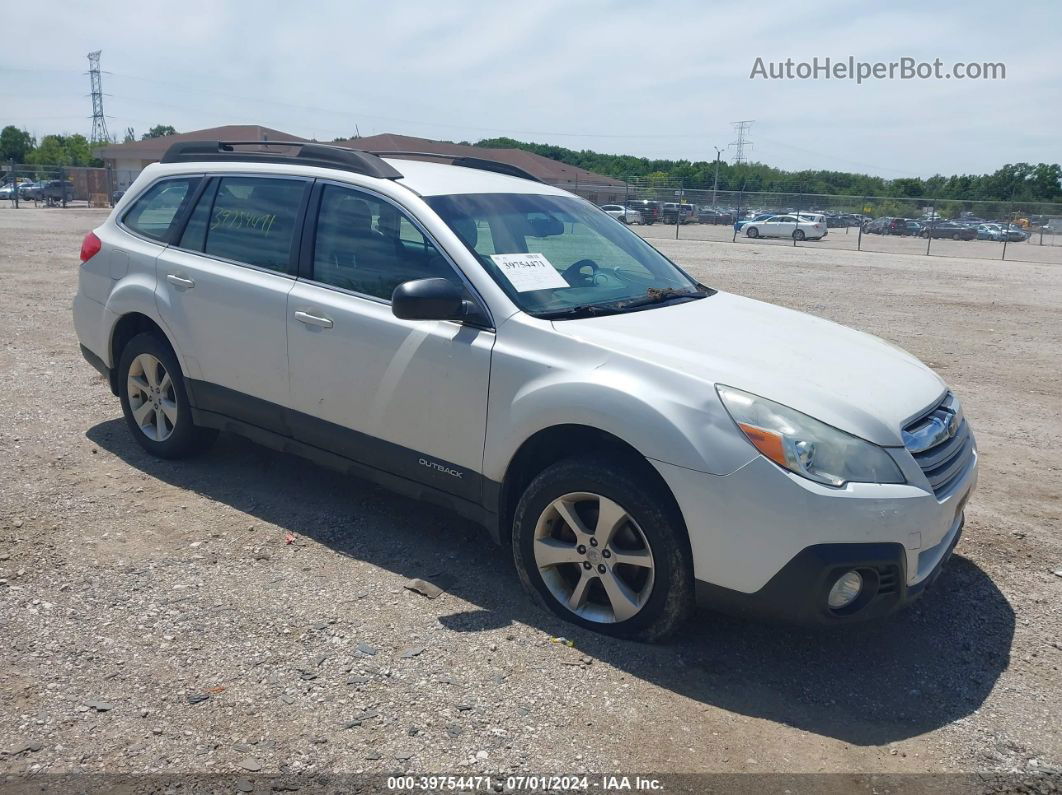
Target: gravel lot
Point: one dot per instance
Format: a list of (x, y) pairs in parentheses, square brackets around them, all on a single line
[(247, 611)]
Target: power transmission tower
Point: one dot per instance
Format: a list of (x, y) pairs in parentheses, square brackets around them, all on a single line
[(99, 122), (742, 129)]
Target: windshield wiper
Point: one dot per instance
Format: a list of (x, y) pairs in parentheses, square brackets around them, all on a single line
[(583, 310), (654, 295), (658, 295)]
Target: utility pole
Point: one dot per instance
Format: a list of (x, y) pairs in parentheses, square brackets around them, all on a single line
[(715, 187), (742, 130), (99, 122)]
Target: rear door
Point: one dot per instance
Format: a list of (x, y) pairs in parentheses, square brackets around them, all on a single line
[(222, 290), (146, 227)]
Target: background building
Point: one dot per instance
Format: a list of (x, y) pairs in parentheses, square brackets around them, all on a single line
[(126, 161)]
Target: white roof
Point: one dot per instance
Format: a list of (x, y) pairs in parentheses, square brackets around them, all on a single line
[(425, 178), (434, 179)]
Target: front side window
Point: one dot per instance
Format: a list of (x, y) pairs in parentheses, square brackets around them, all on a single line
[(251, 220), (364, 244), (560, 256), (153, 213)]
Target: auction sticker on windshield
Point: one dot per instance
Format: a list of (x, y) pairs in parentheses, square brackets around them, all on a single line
[(527, 272)]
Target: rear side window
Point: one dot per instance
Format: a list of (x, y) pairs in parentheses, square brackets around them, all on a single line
[(152, 214), (252, 220)]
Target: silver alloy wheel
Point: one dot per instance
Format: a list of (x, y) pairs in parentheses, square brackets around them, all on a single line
[(594, 558), (152, 399)]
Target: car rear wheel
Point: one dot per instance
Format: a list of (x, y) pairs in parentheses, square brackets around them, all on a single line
[(155, 402), (955, 236), (752, 232), (799, 234), (600, 548)]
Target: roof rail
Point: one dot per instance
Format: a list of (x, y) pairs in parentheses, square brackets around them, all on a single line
[(308, 154), (465, 161)]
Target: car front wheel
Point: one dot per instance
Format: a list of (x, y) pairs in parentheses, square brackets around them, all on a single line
[(599, 547), (753, 232)]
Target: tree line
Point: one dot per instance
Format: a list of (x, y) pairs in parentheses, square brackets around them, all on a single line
[(58, 149), (1018, 182), (1041, 182)]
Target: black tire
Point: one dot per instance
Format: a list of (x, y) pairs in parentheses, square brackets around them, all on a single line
[(752, 232), (670, 598), (799, 234), (955, 236), (185, 438)]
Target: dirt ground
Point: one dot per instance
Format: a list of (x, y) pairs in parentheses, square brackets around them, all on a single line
[(246, 610)]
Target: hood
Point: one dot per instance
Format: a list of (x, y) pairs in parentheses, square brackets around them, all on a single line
[(849, 379)]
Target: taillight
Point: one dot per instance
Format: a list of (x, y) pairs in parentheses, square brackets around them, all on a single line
[(90, 247)]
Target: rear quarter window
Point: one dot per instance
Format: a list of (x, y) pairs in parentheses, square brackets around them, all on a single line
[(152, 215)]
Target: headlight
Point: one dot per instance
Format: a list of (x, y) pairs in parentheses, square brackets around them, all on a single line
[(804, 445)]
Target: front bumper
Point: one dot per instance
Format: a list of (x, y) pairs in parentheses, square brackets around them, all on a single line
[(767, 541), (797, 594)]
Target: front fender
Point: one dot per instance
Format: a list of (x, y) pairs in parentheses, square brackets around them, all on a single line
[(662, 422)]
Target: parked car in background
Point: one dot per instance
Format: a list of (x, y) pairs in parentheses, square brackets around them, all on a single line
[(626, 215), (709, 215), (1013, 234), (649, 210), (7, 191), (741, 223), (684, 212), (876, 226), (29, 191), (948, 229), (57, 191), (815, 218), (887, 225), (794, 226), (989, 232)]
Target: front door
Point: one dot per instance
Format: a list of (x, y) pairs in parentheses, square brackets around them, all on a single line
[(407, 397)]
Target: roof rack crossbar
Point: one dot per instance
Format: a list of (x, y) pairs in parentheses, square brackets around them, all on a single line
[(466, 161), (309, 154)]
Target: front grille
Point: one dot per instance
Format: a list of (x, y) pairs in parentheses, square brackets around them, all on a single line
[(941, 443)]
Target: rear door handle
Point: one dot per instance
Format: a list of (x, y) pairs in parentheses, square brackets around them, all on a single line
[(313, 320), (179, 281)]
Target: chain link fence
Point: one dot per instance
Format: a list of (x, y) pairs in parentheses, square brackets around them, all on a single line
[(24, 184), (992, 230), (995, 230)]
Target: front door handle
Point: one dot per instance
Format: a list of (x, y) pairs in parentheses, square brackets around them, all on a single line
[(179, 281), (313, 320)]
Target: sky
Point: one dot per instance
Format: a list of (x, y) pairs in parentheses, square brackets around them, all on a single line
[(654, 79)]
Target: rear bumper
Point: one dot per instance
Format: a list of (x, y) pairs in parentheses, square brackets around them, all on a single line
[(797, 593), (102, 368)]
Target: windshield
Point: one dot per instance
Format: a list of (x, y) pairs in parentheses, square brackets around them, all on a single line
[(559, 256)]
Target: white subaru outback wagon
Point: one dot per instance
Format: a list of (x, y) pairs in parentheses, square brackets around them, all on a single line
[(466, 335)]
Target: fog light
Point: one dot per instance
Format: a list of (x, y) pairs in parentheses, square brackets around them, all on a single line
[(845, 590)]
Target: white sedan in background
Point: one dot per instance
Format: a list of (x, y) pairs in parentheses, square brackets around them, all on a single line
[(794, 226), (621, 213)]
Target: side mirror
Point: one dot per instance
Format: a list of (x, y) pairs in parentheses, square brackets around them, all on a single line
[(429, 299)]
